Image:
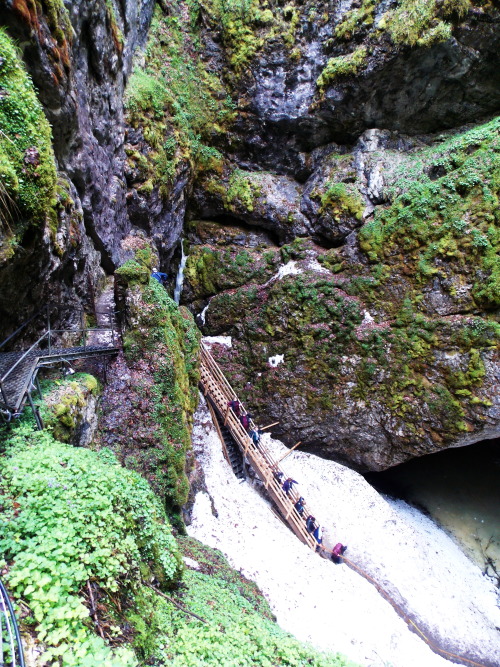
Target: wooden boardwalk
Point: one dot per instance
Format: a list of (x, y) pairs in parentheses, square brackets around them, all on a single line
[(215, 386)]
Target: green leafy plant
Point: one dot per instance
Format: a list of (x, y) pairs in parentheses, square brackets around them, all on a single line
[(70, 516)]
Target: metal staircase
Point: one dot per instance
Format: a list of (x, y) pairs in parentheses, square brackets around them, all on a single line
[(19, 369), (219, 392)]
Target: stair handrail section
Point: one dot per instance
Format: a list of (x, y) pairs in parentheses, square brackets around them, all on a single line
[(216, 385), (47, 335), (12, 655)]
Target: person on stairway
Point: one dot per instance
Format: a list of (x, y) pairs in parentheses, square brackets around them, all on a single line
[(245, 420), (255, 435), (299, 506), (318, 536), (278, 476), (288, 484), (338, 552), (235, 407), (310, 523)]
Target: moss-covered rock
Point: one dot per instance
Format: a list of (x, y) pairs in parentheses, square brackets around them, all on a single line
[(27, 166), (69, 408), (152, 394)]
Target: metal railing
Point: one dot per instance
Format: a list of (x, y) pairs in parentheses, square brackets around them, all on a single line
[(11, 648), (48, 335)]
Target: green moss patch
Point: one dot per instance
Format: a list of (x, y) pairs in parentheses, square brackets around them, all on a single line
[(444, 214), (342, 66), (27, 167)]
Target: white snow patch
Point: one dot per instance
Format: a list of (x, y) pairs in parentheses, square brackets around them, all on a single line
[(276, 360), (330, 605), (221, 340), (288, 269), (193, 564), (367, 318)]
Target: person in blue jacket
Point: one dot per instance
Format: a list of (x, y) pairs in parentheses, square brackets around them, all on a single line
[(160, 277), (288, 484)]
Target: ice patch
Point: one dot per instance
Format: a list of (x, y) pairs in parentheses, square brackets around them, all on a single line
[(220, 340), (276, 360), (288, 269), (314, 265), (203, 313)]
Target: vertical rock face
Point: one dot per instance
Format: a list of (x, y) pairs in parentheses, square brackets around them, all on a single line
[(152, 393), (79, 59)]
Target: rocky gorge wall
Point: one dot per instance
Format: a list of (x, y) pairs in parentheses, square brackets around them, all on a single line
[(346, 147)]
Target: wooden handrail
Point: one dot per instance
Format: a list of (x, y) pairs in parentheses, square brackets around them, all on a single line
[(216, 386)]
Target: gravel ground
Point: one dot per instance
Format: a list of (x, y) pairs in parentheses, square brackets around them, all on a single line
[(331, 606)]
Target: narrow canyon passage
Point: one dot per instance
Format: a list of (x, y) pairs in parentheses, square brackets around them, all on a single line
[(460, 489)]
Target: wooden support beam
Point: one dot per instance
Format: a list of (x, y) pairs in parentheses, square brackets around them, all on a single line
[(268, 426), (288, 453)]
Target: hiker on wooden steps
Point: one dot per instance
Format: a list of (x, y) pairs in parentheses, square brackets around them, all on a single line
[(255, 436), (338, 552), (245, 420), (299, 506), (235, 407), (288, 484)]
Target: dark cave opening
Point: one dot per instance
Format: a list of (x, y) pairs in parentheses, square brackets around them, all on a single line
[(459, 488)]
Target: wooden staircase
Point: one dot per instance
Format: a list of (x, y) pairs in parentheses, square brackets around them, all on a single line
[(219, 392)]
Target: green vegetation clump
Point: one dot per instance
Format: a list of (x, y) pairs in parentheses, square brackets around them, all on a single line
[(340, 199), (27, 167), (356, 20), (444, 213), (423, 22), (237, 20), (342, 66), (70, 517)]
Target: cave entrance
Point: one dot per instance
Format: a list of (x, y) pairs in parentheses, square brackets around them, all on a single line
[(460, 489)]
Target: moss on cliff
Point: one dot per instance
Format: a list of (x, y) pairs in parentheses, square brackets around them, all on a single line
[(342, 66), (177, 102), (64, 404), (27, 167), (444, 216), (161, 349)]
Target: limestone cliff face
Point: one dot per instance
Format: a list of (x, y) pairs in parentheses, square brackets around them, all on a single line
[(249, 128), (389, 338)]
